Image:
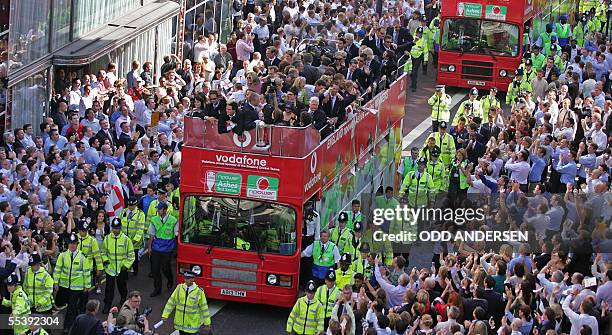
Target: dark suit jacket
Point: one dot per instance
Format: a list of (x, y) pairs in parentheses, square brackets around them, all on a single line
[(542, 260), (359, 77), (124, 139), (375, 70), (311, 74), (244, 119), (371, 42), (319, 119), (469, 305), (404, 39), (554, 70), (353, 51), (496, 305), (101, 135), (211, 111), (484, 133), (273, 62), (474, 153), (86, 324), (337, 110), (491, 129)]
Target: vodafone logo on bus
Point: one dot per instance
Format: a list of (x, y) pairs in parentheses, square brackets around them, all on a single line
[(313, 162)]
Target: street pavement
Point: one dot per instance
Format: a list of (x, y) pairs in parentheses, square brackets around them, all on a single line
[(237, 318)]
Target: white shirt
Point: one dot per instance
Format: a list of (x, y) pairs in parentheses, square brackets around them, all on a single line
[(520, 170), (577, 320), (308, 251)]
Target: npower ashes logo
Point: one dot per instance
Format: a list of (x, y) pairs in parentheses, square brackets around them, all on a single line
[(261, 187)]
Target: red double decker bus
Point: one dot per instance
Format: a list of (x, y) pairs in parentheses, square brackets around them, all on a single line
[(243, 197), (482, 41)]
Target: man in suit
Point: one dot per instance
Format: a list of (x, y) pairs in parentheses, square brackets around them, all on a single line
[(88, 323), (319, 119), (239, 121), (357, 75), (216, 106), (469, 305), (105, 133), (494, 300), (333, 105), (474, 149), (271, 57), (309, 72), (482, 131), (400, 36), (371, 66), (124, 136), (375, 41), (349, 47), (550, 69), (491, 127)]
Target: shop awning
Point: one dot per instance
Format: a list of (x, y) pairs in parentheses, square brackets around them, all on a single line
[(114, 34)]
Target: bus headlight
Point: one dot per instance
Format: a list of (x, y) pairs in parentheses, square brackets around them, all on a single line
[(451, 68), (197, 270), (503, 73), (272, 279)]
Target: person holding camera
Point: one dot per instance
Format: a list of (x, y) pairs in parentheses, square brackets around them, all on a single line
[(119, 325), (129, 310)]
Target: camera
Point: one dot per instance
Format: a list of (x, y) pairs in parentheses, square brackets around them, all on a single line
[(586, 112), (140, 318)]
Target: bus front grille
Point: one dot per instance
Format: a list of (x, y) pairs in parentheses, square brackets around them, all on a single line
[(234, 274), (476, 70)]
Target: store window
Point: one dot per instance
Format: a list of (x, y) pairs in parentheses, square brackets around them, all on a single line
[(61, 23), (29, 101), (28, 37)]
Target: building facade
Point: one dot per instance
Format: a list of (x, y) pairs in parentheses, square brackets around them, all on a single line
[(78, 37)]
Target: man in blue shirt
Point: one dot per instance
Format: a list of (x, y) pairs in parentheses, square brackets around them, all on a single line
[(523, 257), (117, 160), (538, 164), (55, 139), (568, 169), (586, 161)]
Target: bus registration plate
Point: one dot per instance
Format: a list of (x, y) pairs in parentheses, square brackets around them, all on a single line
[(233, 293), (475, 82)]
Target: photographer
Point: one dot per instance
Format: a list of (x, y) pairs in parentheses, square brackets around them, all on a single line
[(119, 326), (129, 310)]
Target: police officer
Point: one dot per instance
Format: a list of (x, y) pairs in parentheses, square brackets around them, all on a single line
[(437, 170), (545, 37), (418, 186), (72, 275), (325, 255), (38, 285), (327, 295), (476, 107), (580, 30), (440, 103), (360, 263), (487, 102), (344, 275), (311, 231), (118, 256), (162, 243), (90, 248), (19, 303), (133, 226), (353, 245), (445, 142), (174, 197), (408, 163), (189, 304), (564, 32), (162, 197), (517, 86), (341, 234), (419, 54), (354, 215), (538, 59), (307, 316), (428, 38), (530, 73)]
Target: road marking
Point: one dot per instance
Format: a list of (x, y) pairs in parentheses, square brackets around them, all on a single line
[(214, 306), (426, 124)]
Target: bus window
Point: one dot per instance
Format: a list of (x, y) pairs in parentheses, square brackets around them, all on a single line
[(239, 224), (480, 36)]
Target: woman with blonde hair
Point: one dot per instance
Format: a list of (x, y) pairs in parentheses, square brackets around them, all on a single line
[(300, 84)]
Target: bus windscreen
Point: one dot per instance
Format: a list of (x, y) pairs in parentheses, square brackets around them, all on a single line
[(248, 225), (480, 37)]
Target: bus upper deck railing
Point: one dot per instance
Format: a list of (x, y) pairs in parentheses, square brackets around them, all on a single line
[(264, 139)]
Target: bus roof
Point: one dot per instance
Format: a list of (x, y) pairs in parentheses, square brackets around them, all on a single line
[(296, 155), (498, 10)]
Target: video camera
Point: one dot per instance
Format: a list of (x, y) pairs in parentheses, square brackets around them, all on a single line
[(140, 318)]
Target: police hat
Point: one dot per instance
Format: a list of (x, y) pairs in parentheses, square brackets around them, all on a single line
[(419, 30), (553, 47), (358, 226), (439, 87), (83, 224), (583, 18), (310, 286), (518, 72), (563, 17), (331, 274), (115, 223), (346, 258), (442, 124), (189, 274), (528, 62), (553, 38), (73, 238), (468, 105), (423, 17), (161, 189), (365, 247), (435, 152), (474, 91), (422, 160), (132, 201), (34, 259), (12, 280), (343, 217), (494, 89), (162, 205)]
